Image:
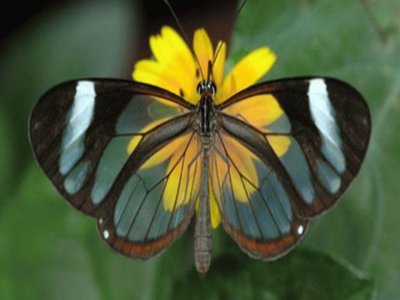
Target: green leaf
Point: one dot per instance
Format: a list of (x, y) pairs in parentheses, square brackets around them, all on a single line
[(37, 247), (7, 156), (303, 274)]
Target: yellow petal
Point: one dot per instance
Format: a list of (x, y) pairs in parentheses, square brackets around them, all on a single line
[(164, 153), (248, 71), (242, 158), (280, 144), (215, 214), (133, 143), (154, 73), (239, 168), (162, 75), (174, 67), (169, 48), (218, 68), (175, 189), (183, 175), (241, 190), (259, 111), (203, 50), (137, 138)]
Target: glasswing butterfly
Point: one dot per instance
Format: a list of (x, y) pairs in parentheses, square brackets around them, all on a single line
[(143, 160)]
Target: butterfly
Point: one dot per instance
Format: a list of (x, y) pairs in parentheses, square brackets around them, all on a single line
[(145, 159)]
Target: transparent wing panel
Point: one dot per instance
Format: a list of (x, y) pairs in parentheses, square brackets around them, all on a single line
[(161, 194), (255, 208)]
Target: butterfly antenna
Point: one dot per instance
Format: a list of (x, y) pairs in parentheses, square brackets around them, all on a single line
[(211, 64), (209, 71), (221, 44), (185, 37), (239, 10)]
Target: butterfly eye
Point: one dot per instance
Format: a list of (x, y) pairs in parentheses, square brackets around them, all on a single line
[(212, 87), (200, 88)]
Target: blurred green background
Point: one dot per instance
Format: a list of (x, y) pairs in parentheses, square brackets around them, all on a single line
[(50, 251)]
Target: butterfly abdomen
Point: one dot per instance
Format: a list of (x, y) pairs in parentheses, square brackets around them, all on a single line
[(202, 235)]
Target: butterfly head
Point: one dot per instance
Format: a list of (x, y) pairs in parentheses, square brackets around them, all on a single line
[(206, 89)]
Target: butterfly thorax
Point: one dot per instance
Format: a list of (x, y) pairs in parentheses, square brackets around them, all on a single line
[(206, 121)]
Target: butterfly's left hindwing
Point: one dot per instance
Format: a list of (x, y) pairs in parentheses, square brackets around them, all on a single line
[(307, 138), (255, 207), (103, 144)]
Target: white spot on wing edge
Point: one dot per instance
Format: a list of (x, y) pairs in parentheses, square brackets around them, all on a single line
[(300, 230), (322, 111), (323, 115), (78, 120), (81, 112), (106, 234)]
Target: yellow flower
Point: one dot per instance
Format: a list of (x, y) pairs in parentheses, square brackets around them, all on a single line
[(174, 68)]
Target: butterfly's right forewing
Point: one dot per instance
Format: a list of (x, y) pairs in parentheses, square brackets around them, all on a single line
[(102, 143)]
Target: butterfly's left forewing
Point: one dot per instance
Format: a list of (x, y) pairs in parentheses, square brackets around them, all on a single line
[(306, 138), (116, 150)]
